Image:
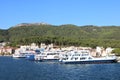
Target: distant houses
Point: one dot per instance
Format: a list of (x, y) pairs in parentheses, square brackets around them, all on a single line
[(99, 51), (5, 50)]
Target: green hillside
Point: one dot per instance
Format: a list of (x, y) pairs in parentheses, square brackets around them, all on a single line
[(63, 35), (4, 35)]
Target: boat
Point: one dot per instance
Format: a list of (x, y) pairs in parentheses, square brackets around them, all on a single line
[(20, 55), (47, 56), (83, 56)]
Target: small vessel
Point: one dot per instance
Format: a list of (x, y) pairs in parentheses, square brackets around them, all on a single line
[(83, 56), (20, 55)]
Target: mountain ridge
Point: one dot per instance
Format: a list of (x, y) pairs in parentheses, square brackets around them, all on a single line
[(72, 33)]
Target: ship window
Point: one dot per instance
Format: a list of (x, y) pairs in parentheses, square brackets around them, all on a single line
[(71, 58), (51, 53), (85, 54), (70, 55), (77, 54), (89, 58), (76, 58), (83, 58)]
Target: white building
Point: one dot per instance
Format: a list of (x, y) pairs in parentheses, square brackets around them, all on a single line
[(109, 50)]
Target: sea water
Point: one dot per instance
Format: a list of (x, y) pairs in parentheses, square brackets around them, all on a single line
[(22, 69)]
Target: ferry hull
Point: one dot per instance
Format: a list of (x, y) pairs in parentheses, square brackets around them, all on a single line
[(51, 60), (30, 57), (89, 62), (18, 56)]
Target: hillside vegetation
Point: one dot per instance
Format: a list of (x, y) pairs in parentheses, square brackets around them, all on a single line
[(63, 35)]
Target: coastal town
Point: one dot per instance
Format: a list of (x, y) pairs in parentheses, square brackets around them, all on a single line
[(51, 51), (9, 50)]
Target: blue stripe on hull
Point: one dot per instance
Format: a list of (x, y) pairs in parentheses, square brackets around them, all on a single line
[(91, 62), (55, 60)]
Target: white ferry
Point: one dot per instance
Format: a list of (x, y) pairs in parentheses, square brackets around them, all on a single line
[(83, 56), (19, 55), (47, 56)]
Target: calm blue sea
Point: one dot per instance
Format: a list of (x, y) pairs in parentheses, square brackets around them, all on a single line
[(22, 69)]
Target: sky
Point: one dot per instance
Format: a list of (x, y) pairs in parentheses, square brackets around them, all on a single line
[(59, 12)]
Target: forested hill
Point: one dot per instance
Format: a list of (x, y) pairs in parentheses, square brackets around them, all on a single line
[(72, 31), (64, 34)]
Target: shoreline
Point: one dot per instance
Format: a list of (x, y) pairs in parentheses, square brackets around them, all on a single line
[(5, 55)]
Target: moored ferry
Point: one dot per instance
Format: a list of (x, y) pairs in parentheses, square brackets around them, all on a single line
[(83, 56), (21, 55), (47, 56)]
